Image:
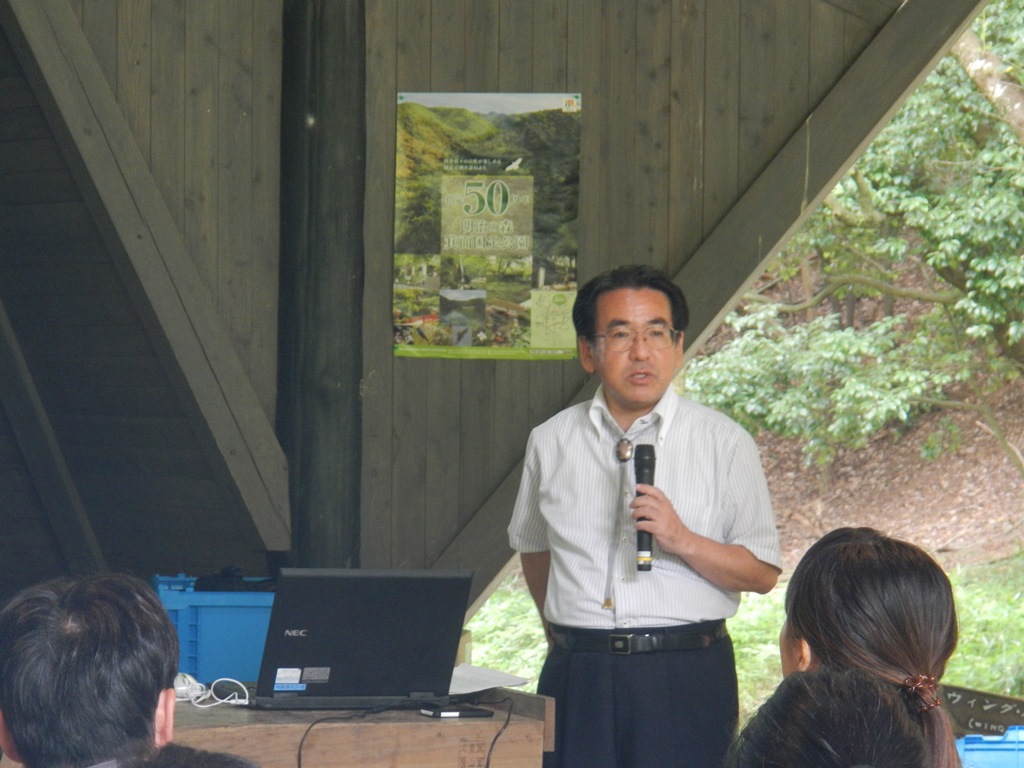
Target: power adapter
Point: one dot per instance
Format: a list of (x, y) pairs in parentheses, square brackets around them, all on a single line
[(187, 687)]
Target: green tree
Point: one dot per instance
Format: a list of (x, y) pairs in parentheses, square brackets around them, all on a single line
[(905, 290)]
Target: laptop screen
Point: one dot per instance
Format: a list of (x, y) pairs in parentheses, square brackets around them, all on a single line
[(360, 638)]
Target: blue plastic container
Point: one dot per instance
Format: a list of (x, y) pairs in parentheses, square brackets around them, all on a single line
[(1006, 751), (221, 633)]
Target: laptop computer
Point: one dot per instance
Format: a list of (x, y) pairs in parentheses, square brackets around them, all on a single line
[(361, 639)]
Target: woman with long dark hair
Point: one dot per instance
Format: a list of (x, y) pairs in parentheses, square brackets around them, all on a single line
[(859, 599)]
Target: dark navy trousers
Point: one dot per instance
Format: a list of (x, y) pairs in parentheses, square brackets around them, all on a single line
[(648, 710)]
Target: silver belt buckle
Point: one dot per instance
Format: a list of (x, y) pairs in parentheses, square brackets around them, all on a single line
[(619, 644)]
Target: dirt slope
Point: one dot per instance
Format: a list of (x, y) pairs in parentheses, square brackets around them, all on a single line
[(964, 507)]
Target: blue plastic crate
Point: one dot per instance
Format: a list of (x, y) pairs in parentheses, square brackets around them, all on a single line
[(1006, 751), (221, 633)]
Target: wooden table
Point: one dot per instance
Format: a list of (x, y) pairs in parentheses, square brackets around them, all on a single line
[(398, 739)]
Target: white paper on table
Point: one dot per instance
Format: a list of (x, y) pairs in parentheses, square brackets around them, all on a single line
[(469, 679)]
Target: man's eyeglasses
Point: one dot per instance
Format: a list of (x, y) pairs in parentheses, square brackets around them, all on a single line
[(654, 336)]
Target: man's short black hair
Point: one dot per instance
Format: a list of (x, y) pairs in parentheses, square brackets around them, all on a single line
[(636, 276), (178, 756), (82, 665)]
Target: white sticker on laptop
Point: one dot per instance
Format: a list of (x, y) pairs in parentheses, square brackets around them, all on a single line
[(288, 676)]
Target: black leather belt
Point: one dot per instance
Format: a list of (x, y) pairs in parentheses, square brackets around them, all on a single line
[(649, 641)]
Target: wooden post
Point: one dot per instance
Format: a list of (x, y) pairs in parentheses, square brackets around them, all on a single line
[(322, 170)]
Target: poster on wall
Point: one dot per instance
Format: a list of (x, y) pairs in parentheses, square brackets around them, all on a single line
[(486, 208)]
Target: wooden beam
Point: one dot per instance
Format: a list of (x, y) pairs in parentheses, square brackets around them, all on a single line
[(149, 249), (873, 11), (830, 140), (64, 510)]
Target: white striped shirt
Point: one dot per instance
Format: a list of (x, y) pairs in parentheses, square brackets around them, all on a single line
[(574, 502)]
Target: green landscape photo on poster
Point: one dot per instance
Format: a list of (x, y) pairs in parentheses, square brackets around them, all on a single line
[(486, 208)]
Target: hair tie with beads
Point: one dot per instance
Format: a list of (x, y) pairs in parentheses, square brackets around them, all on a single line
[(926, 687)]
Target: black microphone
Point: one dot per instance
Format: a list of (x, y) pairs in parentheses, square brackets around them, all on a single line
[(643, 465)]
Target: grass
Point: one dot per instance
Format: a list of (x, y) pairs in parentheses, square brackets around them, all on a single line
[(507, 634), (990, 655)]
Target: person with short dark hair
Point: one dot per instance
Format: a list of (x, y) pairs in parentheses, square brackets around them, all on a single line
[(87, 669), (859, 599), (640, 664), (177, 756), (831, 718)]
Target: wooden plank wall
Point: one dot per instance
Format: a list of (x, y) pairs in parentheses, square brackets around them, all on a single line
[(199, 84), (31, 170), (684, 103), (23, 519), (158, 500)]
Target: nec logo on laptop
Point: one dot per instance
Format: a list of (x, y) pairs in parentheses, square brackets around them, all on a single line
[(296, 632)]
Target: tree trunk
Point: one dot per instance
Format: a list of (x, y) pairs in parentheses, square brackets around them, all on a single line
[(993, 79)]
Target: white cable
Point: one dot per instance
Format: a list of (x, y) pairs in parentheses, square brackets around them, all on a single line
[(207, 697), (187, 687)]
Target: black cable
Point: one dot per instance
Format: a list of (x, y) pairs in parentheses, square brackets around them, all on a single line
[(508, 718), (354, 715)]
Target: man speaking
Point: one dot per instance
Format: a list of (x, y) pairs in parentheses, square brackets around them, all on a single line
[(640, 663)]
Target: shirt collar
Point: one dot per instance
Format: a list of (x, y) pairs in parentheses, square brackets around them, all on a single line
[(661, 415)]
